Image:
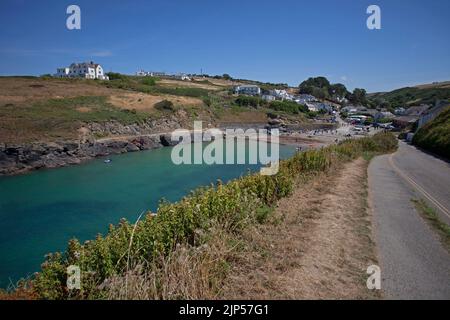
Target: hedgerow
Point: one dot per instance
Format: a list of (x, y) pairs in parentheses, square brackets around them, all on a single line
[(233, 205)]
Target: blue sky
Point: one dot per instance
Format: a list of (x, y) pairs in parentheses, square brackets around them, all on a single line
[(276, 41)]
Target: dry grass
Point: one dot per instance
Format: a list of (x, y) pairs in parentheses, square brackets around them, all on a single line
[(23, 91), (20, 91), (250, 116), (187, 273), (187, 84), (316, 245), (219, 82), (443, 85), (146, 102), (320, 249)]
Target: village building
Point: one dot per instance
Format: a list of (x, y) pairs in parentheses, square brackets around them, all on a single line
[(85, 70), (251, 90)]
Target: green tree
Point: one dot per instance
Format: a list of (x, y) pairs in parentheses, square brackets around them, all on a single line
[(359, 96), (318, 87), (338, 90)]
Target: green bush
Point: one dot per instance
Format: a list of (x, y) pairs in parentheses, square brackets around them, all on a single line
[(249, 101), (181, 91), (288, 107), (234, 205), (164, 105), (148, 81), (116, 76)]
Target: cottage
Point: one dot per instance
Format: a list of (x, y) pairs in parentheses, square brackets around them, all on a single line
[(268, 97), (383, 115), (142, 73), (251, 90), (304, 98), (182, 76), (281, 94), (399, 111), (86, 70)]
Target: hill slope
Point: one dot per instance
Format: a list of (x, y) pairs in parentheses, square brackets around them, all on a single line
[(435, 135), (409, 96)]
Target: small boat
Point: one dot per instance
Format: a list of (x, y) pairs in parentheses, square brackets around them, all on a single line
[(107, 161)]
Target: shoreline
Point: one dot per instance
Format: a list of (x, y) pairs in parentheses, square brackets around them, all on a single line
[(19, 159)]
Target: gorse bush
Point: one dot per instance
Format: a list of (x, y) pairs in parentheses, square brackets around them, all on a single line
[(164, 105), (148, 81), (249, 101), (234, 205), (288, 107)]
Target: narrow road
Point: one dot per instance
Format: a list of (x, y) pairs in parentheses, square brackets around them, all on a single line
[(429, 175), (414, 264)]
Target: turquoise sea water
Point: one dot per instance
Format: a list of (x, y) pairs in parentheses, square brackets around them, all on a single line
[(42, 210)]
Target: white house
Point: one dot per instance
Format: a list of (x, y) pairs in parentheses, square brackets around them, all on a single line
[(86, 70), (251, 90), (304, 98), (318, 106), (383, 115), (268, 97), (142, 73), (311, 106), (280, 94), (182, 76), (399, 111)]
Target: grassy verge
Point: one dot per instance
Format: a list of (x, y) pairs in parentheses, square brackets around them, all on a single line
[(190, 225), (430, 215)]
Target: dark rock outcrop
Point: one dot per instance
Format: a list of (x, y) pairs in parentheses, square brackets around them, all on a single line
[(19, 158)]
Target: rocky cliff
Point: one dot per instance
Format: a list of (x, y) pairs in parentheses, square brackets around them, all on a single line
[(21, 158)]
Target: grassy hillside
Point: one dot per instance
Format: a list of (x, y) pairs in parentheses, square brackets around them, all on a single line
[(435, 135), (48, 109), (409, 96), (37, 109)]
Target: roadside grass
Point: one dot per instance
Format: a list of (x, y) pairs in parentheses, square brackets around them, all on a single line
[(430, 215)]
